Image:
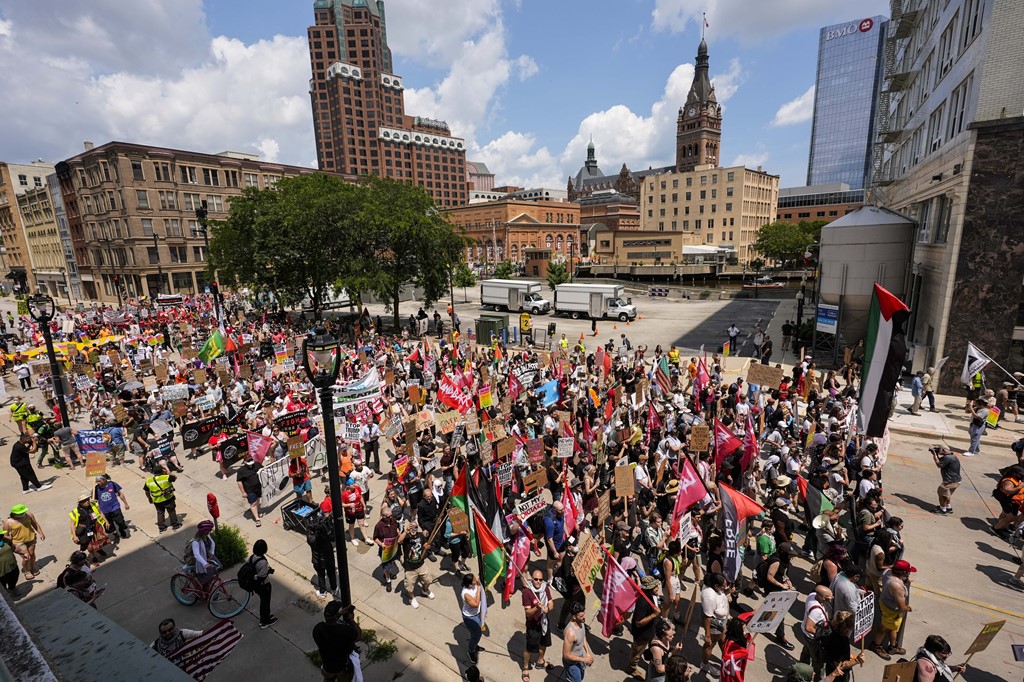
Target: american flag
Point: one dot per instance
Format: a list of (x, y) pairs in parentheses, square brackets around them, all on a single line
[(201, 655)]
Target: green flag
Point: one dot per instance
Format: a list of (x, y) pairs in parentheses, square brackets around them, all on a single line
[(213, 348)]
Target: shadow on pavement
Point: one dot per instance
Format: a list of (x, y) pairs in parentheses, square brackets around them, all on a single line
[(711, 333), (916, 501), (995, 551)]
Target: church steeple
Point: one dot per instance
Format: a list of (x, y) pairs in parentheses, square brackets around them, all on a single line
[(699, 126), (591, 162)]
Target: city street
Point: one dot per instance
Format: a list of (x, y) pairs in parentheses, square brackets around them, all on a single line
[(962, 580)]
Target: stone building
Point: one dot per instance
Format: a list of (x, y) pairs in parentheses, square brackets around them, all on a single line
[(15, 180), (131, 213), (610, 209), (359, 118), (502, 229), (43, 242), (818, 202), (949, 156)]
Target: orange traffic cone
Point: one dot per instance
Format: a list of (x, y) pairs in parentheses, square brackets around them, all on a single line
[(615, 326)]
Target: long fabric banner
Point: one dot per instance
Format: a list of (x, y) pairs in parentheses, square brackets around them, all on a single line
[(364, 390)]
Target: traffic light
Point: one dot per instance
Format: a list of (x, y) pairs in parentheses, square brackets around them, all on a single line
[(213, 289)]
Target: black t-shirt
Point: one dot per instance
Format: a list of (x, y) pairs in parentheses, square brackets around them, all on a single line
[(836, 649), (336, 641), (249, 477), (414, 551), (20, 458), (643, 610)]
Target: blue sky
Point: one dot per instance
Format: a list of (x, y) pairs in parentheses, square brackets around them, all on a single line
[(526, 82)]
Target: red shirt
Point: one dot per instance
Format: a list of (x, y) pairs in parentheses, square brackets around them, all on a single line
[(352, 496)]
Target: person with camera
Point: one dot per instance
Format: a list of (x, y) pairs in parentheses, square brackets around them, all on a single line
[(414, 558), (336, 638), (815, 627), (949, 468)]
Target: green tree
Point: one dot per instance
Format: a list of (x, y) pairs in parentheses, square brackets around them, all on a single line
[(293, 241), (782, 241), (402, 240), (504, 270), (463, 277), (557, 274)]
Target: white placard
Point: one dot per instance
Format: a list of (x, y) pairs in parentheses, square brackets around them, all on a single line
[(865, 616), (271, 478), (565, 447), (771, 611), (531, 506)]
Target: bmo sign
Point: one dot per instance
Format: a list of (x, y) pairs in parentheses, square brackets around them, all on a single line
[(863, 27)]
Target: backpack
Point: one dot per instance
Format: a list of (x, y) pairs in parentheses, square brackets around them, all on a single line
[(247, 575)]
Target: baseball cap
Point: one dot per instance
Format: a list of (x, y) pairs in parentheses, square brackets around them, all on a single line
[(790, 549), (903, 566)]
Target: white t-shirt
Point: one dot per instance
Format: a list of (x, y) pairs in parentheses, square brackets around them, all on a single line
[(642, 477), (471, 611), (815, 612), (715, 605), (864, 487)]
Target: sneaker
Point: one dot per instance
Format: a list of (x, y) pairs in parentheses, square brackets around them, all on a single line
[(264, 626), (355, 542), (413, 603), (474, 656), (368, 541), (45, 486), (430, 595), (321, 594), (970, 454), (26, 491), (947, 511)]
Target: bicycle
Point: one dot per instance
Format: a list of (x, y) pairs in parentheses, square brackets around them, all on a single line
[(225, 599)]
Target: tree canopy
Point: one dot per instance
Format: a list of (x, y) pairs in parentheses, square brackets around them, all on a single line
[(504, 270), (557, 274), (316, 231), (786, 242)]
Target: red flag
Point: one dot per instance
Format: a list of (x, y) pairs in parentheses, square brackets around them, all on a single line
[(702, 378), (609, 407), (517, 560), (258, 445), (618, 596), (801, 485), (414, 356), (691, 491), (607, 364), (514, 386), (449, 394), (734, 662), (569, 502), (588, 434), (599, 358), (725, 444), (749, 444)]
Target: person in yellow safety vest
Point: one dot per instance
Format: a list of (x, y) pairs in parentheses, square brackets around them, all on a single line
[(19, 412), (160, 491), (974, 391), (87, 523), (580, 348), (563, 343), (673, 356)]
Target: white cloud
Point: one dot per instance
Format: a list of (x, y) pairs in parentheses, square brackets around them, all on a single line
[(799, 110), (752, 22), (435, 32), (526, 67), (758, 158), (5, 28)]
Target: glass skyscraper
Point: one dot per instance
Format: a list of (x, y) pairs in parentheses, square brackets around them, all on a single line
[(850, 68)]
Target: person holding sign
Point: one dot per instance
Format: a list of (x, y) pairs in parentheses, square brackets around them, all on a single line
[(931, 661), (839, 658)]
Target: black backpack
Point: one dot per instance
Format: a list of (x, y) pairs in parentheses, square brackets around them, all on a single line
[(247, 575)]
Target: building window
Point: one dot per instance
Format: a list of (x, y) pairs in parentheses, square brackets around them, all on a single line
[(142, 198), (252, 180), (154, 255), (728, 191), (728, 206), (730, 176), (215, 203), (703, 194), (137, 173), (179, 254), (182, 282), (973, 10), (192, 201), (172, 227), (23, 180), (188, 175), (211, 176), (935, 128), (924, 226), (166, 200), (946, 41), (147, 227), (689, 182), (942, 212), (703, 179), (231, 178), (162, 171), (958, 107)]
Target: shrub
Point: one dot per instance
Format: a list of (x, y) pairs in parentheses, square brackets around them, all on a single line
[(232, 547)]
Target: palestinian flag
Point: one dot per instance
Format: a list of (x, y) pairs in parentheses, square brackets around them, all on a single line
[(489, 549), (389, 552), (736, 508), (663, 376), (815, 502), (885, 349), (213, 348)]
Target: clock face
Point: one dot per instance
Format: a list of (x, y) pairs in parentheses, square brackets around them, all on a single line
[(693, 111)]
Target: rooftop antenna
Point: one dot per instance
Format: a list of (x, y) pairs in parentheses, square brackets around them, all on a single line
[(704, 16)]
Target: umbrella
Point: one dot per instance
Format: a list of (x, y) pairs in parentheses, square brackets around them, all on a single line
[(130, 386)]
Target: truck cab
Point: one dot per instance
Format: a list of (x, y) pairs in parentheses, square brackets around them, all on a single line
[(621, 309), (535, 303)]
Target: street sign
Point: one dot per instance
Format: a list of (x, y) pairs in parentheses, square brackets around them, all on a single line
[(827, 319)]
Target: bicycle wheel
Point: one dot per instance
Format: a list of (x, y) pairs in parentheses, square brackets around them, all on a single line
[(227, 599), (183, 589)]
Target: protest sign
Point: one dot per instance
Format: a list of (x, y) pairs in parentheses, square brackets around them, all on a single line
[(685, 527), (161, 372), (505, 472), (531, 506), (565, 447), (535, 450), (391, 426), (765, 375), (625, 483), (401, 466), (458, 436), (472, 424), (174, 392), (771, 611), (200, 376), (446, 421), (295, 447), (900, 672), (486, 453), (484, 396), (352, 431), (198, 433), (985, 637), (604, 507), (414, 394), (505, 447), (149, 383), (274, 479), (700, 438), (864, 617), (460, 521), (493, 431), (95, 464), (290, 422), (587, 564), (535, 480), (316, 454), (120, 414)]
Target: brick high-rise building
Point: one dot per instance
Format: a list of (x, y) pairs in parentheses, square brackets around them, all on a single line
[(699, 126), (358, 105)]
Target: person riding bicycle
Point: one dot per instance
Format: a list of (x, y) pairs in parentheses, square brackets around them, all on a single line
[(201, 554)]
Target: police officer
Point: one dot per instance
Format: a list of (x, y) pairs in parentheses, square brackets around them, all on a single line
[(160, 491)]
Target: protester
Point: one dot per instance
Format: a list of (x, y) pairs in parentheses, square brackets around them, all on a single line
[(576, 655), (159, 491), (172, 638), (21, 461), (250, 486), (474, 610), (931, 661), (110, 498), (88, 526), (894, 601), (9, 572), (414, 558), (263, 589), (949, 467), (537, 604), (24, 531), (336, 639)]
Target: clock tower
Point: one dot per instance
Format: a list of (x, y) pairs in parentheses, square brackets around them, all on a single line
[(699, 127)]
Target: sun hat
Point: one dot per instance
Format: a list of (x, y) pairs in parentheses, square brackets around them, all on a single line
[(673, 486), (19, 509), (649, 582), (782, 481), (820, 521), (84, 496)]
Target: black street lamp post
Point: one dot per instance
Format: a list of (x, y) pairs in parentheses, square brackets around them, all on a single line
[(201, 216), (321, 358), (41, 307)]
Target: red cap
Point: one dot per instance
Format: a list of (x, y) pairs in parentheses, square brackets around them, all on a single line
[(903, 567)]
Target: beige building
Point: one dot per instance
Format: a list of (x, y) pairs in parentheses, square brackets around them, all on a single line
[(15, 180), (504, 229), (711, 206), (42, 239), (131, 212)]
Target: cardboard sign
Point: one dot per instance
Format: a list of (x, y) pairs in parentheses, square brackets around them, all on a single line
[(900, 672), (535, 450), (486, 453), (460, 521), (414, 394), (424, 420), (120, 414), (765, 375), (604, 507), (150, 383), (296, 448), (389, 376), (985, 637), (700, 438), (506, 405), (771, 611), (587, 564), (494, 431), (531, 506), (200, 376), (505, 472), (472, 423), (864, 617), (95, 464), (180, 409), (274, 479), (245, 371), (446, 421), (535, 480), (565, 447), (129, 375), (505, 447), (625, 484)]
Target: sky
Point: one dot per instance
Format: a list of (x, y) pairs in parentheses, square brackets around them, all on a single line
[(527, 83)]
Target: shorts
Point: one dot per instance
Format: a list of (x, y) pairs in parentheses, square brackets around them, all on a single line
[(352, 519), (22, 548), (891, 620), (1009, 507), (552, 556), (303, 488), (252, 497), (535, 639), (946, 489)]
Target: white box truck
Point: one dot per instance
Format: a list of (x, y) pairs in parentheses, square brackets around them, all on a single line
[(514, 295), (594, 301)]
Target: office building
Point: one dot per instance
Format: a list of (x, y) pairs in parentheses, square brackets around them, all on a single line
[(850, 66), (42, 242), (359, 119), (821, 202), (131, 214), (15, 180), (951, 157)]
